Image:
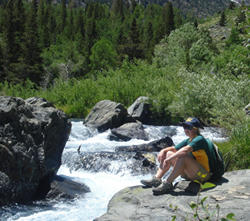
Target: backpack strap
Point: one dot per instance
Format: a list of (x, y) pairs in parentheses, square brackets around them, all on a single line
[(217, 151)]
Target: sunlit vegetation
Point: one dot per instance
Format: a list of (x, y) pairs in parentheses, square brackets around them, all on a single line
[(77, 56)]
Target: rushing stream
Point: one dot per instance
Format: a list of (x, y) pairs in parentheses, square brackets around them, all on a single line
[(103, 184)]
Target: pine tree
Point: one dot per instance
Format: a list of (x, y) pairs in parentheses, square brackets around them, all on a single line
[(159, 33), (241, 15), (2, 66), (178, 19), (97, 11), (196, 23), (133, 5), (46, 40), (117, 9), (134, 32), (32, 59), (43, 18), (222, 21), (40, 14), (9, 34), (2, 72), (127, 6), (9, 48), (19, 23), (148, 43), (120, 38), (69, 29), (79, 22), (136, 49), (149, 34), (234, 38), (79, 39), (169, 21), (90, 38), (231, 5), (52, 26), (121, 41), (63, 15), (89, 10)]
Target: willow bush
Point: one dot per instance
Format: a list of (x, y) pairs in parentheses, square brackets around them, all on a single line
[(23, 90), (75, 97), (211, 98), (238, 155)]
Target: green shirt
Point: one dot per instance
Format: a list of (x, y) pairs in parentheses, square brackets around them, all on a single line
[(201, 151)]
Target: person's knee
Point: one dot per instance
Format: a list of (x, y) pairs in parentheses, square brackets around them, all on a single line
[(170, 153)]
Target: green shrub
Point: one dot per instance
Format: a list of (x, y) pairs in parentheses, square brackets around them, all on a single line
[(240, 142), (211, 98), (24, 90), (234, 61), (184, 47)]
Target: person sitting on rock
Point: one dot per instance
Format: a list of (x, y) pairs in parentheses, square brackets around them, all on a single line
[(190, 160)]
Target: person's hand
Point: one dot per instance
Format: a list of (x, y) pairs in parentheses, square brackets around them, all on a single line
[(161, 156), (166, 163)]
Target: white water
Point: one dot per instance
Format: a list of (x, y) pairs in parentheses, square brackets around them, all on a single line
[(103, 185)]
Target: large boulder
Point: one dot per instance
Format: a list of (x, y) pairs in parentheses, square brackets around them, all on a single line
[(129, 131), (33, 134), (106, 115), (140, 109), (232, 194)]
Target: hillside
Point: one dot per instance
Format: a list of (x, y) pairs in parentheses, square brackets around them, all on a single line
[(200, 8), (222, 33)]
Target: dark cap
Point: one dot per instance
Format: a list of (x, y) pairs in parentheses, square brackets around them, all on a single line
[(192, 121)]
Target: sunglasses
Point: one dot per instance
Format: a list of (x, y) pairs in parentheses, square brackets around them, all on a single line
[(187, 127)]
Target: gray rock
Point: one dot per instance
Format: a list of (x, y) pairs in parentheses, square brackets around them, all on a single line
[(40, 102), (32, 137), (62, 188), (223, 37), (129, 131), (247, 109), (106, 115), (139, 110), (232, 194), (154, 146)]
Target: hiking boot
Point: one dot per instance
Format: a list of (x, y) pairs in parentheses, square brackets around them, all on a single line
[(154, 181), (165, 187)]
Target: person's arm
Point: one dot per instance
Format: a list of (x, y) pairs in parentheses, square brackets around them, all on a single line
[(162, 154), (181, 152)]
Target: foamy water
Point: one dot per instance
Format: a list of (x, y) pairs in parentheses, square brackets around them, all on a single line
[(103, 185)]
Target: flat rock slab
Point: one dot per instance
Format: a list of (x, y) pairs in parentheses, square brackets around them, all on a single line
[(232, 194)]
